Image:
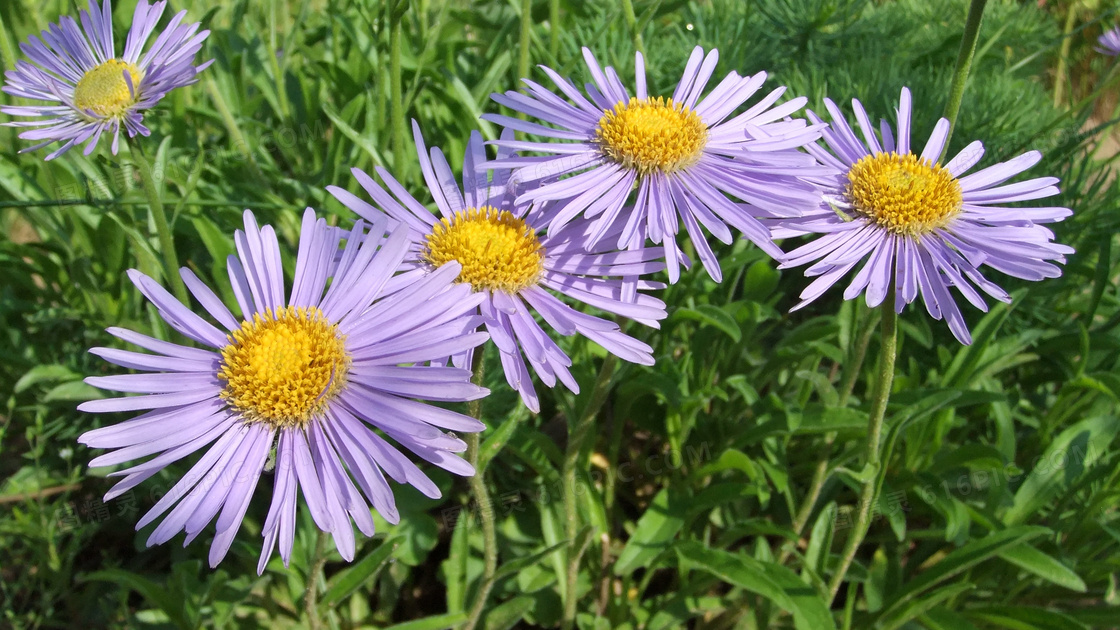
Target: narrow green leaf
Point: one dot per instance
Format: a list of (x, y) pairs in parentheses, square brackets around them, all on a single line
[(713, 316), (348, 581), (1044, 566), (438, 622), (655, 530)]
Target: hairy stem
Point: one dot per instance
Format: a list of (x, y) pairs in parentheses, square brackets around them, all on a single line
[(482, 499), (311, 596), (964, 64), (572, 465), (1063, 53), (397, 131), (632, 25), (163, 229), (553, 28), (524, 39), (872, 454)]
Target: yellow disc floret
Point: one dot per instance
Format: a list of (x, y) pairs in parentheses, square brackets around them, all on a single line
[(104, 90), (284, 366), (652, 135), (497, 250), (905, 194)]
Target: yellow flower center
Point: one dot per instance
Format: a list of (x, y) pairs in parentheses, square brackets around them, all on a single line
[(496, 249), (905, 194), (284, 366), (652, 135), (104, 91)]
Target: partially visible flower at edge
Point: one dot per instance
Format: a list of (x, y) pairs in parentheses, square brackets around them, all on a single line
[(95, 90), (687, 156), (922, 227), (307, 378), (507, 259), (1109, 42)]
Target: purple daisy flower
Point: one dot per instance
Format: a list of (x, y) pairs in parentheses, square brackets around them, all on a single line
[(507, 261), (687, 157), (922, 227), (307, 379), (1109, 42), (95, 90)]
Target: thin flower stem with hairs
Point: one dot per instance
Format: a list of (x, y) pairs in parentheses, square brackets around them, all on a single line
[(163, 228), (572, 465), (553, 28), (632, 25), (872, 453), (485, 507), (311, 595), (964, 65), (524, 39), (397, 131)]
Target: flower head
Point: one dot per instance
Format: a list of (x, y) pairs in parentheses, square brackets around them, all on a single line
[(308, 378), (1109, 42), (922, 227), (503, 255), (91, 90), (690, 159)]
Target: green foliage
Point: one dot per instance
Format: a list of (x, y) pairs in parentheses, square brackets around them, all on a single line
[(1000, 478)]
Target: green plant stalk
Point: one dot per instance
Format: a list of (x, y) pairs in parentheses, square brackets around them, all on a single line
[(572, 464), (872, 452), (485, 507), (523, 41), (964, 65), (240, 144), (163, 229), (632, 25), (396, 101), (311, 595), (553, 28), (1063, 54)]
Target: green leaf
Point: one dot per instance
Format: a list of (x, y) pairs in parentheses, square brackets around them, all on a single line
[(713, 316), (917, 607), (655, 530), (1070, 454), (507, 614), (438, 622), (1044, 566), (44, 374), (348, 580), (820, 419), (962, 559), (1026, 618), (155, 594), (772, 581)]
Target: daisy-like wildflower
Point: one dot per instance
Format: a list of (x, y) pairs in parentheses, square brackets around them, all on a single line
[(689, 159), (1109, 42), (505, 259), (307, 379), (922, 227), (91, 90)]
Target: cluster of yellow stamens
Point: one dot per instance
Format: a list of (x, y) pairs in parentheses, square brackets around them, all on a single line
[(652, 135), (497, 250), (284, 366), (104, 90), (905, 194)]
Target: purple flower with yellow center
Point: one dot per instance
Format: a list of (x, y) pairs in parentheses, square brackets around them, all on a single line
[(922, 227), (689, 158), (315, 386), (501, 254), (95, 91), (1109, 42)]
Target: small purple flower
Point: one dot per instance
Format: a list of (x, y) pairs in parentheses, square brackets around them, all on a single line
[(1109, 42), (95, 90), (687, 156), (300, 384), (922, 227), (507, 261)]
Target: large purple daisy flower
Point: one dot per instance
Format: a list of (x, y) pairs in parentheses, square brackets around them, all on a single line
[(95, 90), (507, 261), (922, 227), (309, 378), (685, 155)]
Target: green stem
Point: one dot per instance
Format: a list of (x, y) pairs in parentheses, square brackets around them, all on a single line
[(523, 40), (554, 28), (1063, 54), (964, 64), (397, 131), (872, 454), (311, 595), (632, 26), (482, 499), (163, 229), (572, 465)]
